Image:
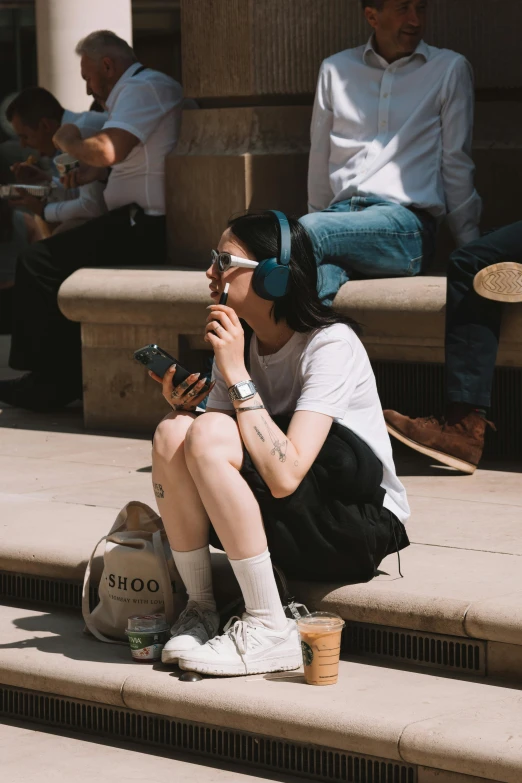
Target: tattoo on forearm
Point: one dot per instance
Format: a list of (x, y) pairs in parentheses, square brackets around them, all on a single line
[(262, 437), (158, 490), (280, 446)]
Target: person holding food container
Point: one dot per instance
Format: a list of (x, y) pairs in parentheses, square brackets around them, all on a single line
[(290, 462), (128, 153), (36, 115)]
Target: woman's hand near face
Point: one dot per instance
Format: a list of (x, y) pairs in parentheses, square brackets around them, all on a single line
[(181, 397), (225, 334)]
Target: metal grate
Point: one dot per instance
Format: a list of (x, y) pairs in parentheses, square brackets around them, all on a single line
[(418, 390), (43, 590), (311, 761), (422, 649)]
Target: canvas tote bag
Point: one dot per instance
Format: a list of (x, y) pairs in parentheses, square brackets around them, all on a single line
[(139, 576)]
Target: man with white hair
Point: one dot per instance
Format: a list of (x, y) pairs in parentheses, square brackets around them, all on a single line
[(144, 112)]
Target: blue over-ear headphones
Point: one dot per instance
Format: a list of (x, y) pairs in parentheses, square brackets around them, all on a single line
[(271, 276)]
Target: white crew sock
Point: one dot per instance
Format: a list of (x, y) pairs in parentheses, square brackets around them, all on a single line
[(195, 569), (258, 585)]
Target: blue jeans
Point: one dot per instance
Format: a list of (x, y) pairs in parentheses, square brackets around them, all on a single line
[(368, 238)]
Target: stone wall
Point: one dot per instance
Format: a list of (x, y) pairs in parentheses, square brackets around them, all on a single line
[(229, 160), (246, 48)]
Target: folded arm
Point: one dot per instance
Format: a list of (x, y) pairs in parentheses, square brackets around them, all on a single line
[(107, 148), (283, 460), (89, 204)]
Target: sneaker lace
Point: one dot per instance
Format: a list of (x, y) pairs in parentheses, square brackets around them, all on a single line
[(185, 622), (237, 631)]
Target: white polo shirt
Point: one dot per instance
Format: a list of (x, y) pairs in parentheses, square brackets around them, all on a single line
[(147, 104), (399, 131)]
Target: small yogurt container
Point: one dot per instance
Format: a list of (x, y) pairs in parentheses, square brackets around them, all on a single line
[(147, 635), (65, 163)]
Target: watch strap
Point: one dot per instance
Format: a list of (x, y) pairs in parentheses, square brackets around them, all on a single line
[(234, 394)]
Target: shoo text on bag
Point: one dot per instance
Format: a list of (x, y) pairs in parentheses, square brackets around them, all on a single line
[(137, 585)]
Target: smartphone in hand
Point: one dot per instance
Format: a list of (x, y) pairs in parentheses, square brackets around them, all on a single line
[(156, 359)]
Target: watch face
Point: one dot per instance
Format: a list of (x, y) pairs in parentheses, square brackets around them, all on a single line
[(243, 390)]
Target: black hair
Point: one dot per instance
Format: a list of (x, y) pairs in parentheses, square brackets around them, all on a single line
[(373, 4), (33, 104), (301, 307)]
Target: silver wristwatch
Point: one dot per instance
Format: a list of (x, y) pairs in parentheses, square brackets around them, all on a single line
[(244, 390)]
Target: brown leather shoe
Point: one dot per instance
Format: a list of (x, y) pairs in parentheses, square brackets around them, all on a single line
[(459, 445)]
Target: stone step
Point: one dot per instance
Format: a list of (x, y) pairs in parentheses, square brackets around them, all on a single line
[(122, 309), (396, 725), (38, 754), (457, 609)]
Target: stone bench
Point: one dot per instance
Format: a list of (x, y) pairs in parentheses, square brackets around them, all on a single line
[(121, 310)]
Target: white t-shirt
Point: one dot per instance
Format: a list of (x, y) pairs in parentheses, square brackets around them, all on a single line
[(148, 105), (325, 371)]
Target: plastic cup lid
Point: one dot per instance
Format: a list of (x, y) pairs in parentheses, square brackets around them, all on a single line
[(147, 622), (321, 621)]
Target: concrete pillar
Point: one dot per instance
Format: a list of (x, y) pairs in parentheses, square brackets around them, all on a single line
[(60, 24), (230, 160)]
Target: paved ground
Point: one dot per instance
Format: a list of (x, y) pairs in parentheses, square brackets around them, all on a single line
[(33, 754)]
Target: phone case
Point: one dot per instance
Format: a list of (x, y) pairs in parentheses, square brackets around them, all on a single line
[(156, 359)]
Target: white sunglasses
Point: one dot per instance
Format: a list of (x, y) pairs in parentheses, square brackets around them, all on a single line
[(225, 261)]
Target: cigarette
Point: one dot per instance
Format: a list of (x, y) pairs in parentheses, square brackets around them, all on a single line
[(224, 296)]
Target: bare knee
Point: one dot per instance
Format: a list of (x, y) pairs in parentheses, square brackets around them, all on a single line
[(170, 435), (213, 437)]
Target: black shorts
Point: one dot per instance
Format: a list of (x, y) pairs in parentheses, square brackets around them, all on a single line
[(334, 527)]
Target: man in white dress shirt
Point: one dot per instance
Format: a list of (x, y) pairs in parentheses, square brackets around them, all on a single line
[(390, 151), (144, 113), (36, 115)]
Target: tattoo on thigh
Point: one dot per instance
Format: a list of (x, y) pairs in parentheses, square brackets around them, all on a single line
[(260, 434), (280, 446), (159, 491)]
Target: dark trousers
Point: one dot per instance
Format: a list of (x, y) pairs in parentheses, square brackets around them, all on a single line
[(42, 338), (472, 322)]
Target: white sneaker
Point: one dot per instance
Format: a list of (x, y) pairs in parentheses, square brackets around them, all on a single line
[(246, 648), (193, 628)]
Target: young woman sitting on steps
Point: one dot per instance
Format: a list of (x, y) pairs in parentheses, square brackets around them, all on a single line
[(294, 465)]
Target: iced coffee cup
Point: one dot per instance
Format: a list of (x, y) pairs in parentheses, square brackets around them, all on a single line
[(321, 646)]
